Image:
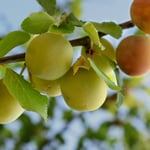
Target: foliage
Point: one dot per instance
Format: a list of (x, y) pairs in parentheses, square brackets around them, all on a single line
[(122, 122)]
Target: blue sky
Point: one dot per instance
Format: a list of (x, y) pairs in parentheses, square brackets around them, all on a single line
[(12, 12), (100, 10)]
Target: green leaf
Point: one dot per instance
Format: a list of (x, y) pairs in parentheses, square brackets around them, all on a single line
[(117, 73), (74, 21), (131, 134), (60, 138), (2, 71), (110, 28), (29, 98), (121, 93), (120, 98), (37, 23), (101, 74), (102, 131), (27, 127), (67, 115), (110, 61), (62, 28), (67, 24), (80, 143), (48, 5), (11, 40), (51, 108), (90, 29), (77, 8)]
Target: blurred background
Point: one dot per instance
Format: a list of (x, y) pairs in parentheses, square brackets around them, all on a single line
[(108, 128)]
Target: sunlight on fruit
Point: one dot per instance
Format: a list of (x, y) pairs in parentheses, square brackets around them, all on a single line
[(10, 108), (84, 91), (49, 56)]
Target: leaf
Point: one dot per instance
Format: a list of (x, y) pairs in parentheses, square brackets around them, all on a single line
[(37, 23), (67, 115), (60, 138), (121, 93), (29, 98), (90, 29), (67, 24), (27, 127), (80, 144), (48, 5), (109, 28), (62, 28), (101, 74), (2, 71), (51, 108), (11, 40), (102, 131), (73, 20), (77, 8), (131, 134), (81, 62), (120, 98)]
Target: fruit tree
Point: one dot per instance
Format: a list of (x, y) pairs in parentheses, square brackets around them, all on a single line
[(72, 73)]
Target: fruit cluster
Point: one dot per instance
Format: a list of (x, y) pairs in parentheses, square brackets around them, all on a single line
[(49, 59)]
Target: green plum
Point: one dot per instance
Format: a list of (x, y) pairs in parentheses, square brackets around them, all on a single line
[(84, 90), (49, 56), (10, 108)]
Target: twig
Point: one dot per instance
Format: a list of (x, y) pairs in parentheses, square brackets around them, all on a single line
[(83, 41), (126, 25), (12, 59)]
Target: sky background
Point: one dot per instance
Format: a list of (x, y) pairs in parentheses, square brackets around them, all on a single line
[(12, 12)]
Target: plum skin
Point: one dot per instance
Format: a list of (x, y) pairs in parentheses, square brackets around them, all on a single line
[(133, 55), (10, 108), (139, 12), (84, 91), (49, 87), (49, 56)]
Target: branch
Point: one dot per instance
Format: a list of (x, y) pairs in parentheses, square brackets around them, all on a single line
[(83, 41), (126, 25), (12, 59)]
